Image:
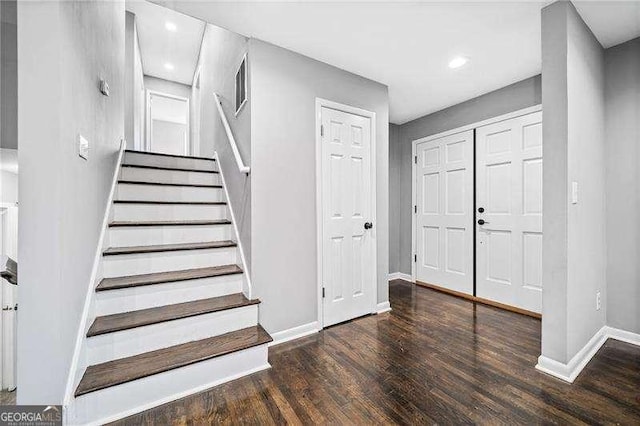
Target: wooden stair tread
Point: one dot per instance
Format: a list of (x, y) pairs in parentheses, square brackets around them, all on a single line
[(152, 183), (166, 277), (197, 203), (161, 154), (170, 223), (128, 320), (177, 169), (124, 370), (112, 251)]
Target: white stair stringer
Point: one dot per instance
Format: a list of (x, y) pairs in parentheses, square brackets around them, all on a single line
[(175, 191)]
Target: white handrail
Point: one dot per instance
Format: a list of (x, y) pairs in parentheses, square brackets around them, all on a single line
[(232, 141)]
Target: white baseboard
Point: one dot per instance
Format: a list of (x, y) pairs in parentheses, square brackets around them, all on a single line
[(623, 336), (400, 276), (383, 307), (294, 333), (569, 371)]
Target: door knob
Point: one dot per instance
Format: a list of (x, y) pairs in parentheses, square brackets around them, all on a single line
[(480, 209), (368, 225), (482, 222)]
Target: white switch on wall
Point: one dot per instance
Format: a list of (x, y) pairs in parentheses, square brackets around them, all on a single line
[(574, 192), (83, 147)]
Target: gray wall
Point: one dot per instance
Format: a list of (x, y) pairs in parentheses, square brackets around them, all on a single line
[(622, 103), (8, 75), (284, 89), (574, 245), (62, 197), (554, 178), (221, 54), (166, 86), (511, 98), (134, 86), (586, 140)]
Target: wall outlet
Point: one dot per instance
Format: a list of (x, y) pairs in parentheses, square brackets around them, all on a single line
[(598, 300), (83, 147)]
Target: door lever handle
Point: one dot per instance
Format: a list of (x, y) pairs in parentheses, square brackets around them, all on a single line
[(482, 222), (368, 225)]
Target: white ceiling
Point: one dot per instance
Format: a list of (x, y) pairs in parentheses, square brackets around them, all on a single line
[(408, 46), (159, 45), (612, 22)]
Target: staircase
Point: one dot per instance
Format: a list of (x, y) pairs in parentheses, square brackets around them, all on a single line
[(170, 315)]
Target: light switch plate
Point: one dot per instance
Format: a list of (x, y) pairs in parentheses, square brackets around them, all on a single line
[(83, 147), (574, 192)]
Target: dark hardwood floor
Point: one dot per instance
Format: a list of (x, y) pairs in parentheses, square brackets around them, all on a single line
[(434, 359)]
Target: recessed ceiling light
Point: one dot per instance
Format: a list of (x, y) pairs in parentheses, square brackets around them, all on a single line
[(168, 66), (170, 26), (457, 62)]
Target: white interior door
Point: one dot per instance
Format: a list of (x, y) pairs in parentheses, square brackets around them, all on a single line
[(509, 191), (168, 124), (348, 249), (444, 212)]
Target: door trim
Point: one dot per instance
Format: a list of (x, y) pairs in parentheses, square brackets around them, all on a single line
[(324, 103), (414, 144), (187, 147)]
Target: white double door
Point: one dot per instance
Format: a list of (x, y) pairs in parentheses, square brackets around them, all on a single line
[(507, 221), (348, 243)]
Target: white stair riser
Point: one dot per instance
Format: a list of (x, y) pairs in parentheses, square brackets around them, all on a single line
[(147, 263), (129, 398), (151, 212), (164, 161), (129, 236), (167, 193), (149, 296), (169, 176), (122, 344)]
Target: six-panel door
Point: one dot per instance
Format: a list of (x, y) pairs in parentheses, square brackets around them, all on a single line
[(347, 247), (509, 190), (444, 216)]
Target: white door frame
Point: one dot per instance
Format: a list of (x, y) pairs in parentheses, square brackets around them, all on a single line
[(414, 145), (187, 147), (8, 353), (320, 103), (195, 88)]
